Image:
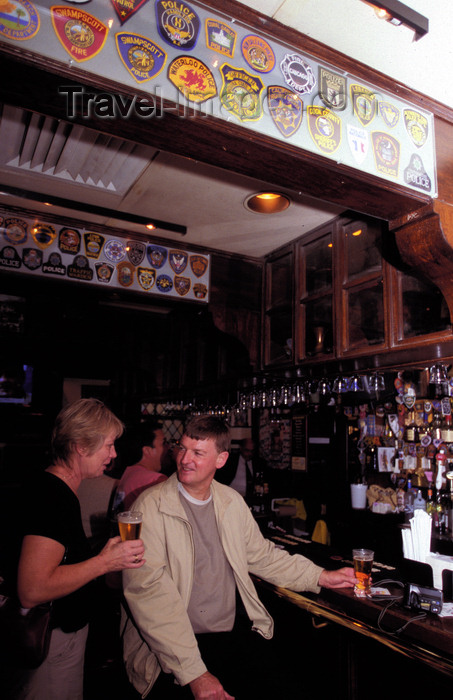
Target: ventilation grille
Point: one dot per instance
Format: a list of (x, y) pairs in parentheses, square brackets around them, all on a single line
[(35, 143)]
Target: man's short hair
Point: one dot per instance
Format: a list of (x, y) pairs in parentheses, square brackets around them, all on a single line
[(209, 427)]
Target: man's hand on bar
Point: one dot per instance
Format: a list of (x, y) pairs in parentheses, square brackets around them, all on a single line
[(339, 578)]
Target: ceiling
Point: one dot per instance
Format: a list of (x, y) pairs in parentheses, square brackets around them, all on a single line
[(41, 154)]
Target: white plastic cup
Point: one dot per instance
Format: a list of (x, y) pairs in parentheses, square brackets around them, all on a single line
[(358, 496)]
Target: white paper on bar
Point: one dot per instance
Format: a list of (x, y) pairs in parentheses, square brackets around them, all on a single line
[(408, 549), (420, 530)]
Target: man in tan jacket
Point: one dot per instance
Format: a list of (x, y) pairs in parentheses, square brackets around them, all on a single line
[(193, 602)]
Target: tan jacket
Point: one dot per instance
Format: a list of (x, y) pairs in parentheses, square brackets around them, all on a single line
[(158, 593)]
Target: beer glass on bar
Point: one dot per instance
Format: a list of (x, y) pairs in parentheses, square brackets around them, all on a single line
[(363, 564), (130, 524)]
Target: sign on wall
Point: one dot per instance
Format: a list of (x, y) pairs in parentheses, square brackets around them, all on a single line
[(194, 57), (35, 247)]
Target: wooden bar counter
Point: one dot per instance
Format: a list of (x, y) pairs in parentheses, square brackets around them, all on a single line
[(336, 644)]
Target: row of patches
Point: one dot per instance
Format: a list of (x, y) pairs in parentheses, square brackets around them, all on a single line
[(80, 269), (83, 36), (15, 231)]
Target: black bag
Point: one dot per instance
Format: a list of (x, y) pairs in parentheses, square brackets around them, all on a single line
[(24, 634)]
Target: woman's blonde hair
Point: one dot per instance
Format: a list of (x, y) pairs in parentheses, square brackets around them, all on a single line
[(86, 422)]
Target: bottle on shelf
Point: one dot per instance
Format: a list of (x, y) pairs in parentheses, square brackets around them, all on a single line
[(419, 501), (430, 502), (411, 494)]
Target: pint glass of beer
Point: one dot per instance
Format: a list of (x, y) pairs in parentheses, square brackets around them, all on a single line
[(130, 524), (363, 564)]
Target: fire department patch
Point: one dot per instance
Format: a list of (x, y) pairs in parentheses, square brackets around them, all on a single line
[(200, 290), (258, 54), (178, 24), (135, 252), (241, 93), (126, 8), (54, 265), (386, 153), (358, 142), (178, 260), (325, 128), (416, 126), (43, 235), (416, 175), (32, 258), (220, 37), (104, 272), (115, 251), (94, 243), (19, 20), (9, 257), (182, 285), (146, 278), (332, 89), (69, 240), (80, 269), (125, 272), (364, 102), (198, 265), (164, 283), (81, 34), (286, 109), (192, 78), (15, 231), (157, 255), (298, 73), (141, 57), (389, 113)]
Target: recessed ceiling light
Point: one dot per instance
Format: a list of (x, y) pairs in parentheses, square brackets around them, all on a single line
[(267, 202)]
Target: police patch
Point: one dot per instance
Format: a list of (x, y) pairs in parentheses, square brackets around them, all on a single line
[(125, 273), (32, 258), (389, 113), (178, 24), (178, 260), (19, 20), (82, 35), (157, 255), (220, 37), (69, 240), (80, 269), (182, 285), (115, 251), (258, 53), (142, 58), (126, 8), (358, 142), (146, 278), (15, 231), (416, 175), (94, 243), (54, 265), (298, 73), (286, 109), (416, 126), (386, 153), (364, 102), (9, 257), (241, 93), (332, 89), (164, 283), (200, 290), (192, 78), (198, 265), (104, 272), (325, 128), (135, 252), (43, 235)]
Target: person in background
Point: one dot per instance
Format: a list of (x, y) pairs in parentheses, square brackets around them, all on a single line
[(240, 470), (194, 626), (96, 497), (147, 448), (56, 563)]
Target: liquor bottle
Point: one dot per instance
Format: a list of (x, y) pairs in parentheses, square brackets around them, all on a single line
[(447, 428), (419, 501), (410, 498), (411, 433), (436, 427), (430, 503)]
